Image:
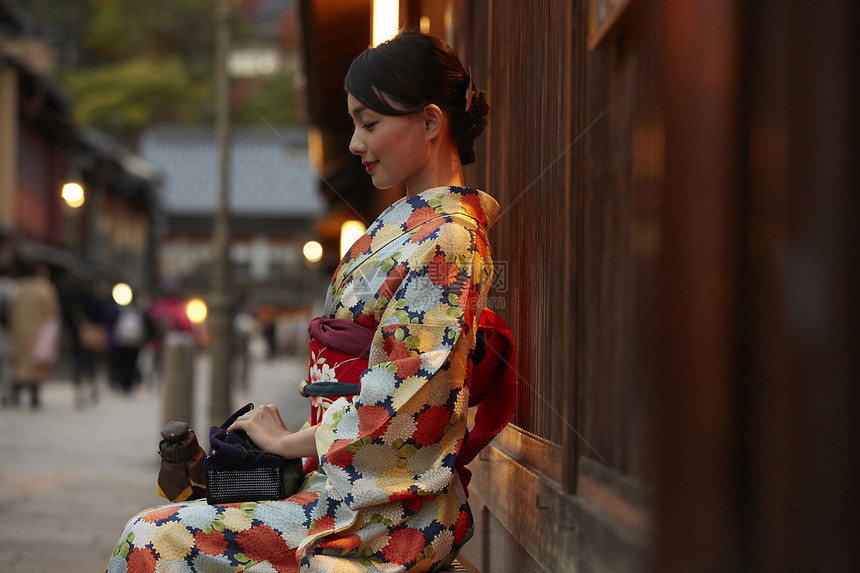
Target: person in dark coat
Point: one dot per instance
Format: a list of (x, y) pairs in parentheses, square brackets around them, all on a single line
[(84, 323)]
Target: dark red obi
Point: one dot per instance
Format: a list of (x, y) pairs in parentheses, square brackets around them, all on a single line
[(492, 381), (339, 352)]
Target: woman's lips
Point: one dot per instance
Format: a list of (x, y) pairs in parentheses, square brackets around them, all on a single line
[(370, 165)]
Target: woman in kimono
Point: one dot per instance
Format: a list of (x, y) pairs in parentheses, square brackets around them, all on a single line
[(387, 495)]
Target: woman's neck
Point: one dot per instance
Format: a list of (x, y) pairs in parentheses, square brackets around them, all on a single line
[(442, 170)]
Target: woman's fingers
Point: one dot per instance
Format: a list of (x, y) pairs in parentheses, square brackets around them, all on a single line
[(258, 411), (263, 425), (241, 422)]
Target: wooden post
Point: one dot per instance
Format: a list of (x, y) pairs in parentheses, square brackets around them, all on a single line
[(219, 405), (178, 381)]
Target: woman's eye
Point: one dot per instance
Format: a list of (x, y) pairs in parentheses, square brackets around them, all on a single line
[(369, 126)]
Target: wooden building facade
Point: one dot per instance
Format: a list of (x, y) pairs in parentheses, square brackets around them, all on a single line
[(569, 486), (676, 260), (111, 235)]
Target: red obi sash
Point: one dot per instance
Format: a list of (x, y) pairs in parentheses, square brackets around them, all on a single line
[(339, 352), (492, 379)]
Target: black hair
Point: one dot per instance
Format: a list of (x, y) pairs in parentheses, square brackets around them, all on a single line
[(416, 70)]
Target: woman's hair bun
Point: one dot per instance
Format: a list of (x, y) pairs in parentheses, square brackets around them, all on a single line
[(470, 125)]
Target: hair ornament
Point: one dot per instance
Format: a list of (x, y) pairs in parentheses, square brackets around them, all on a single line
[(470, 87)]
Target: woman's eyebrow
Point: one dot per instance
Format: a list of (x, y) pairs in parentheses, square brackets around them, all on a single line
[(357, 110)]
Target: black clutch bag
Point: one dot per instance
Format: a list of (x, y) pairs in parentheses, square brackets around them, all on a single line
[(237, 470)]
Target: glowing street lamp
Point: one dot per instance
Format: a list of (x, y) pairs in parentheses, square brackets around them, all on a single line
[(122, 294), (312, 251), (196, 310), (73, 194)]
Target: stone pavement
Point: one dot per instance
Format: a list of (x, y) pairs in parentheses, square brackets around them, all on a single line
[(70, 478)]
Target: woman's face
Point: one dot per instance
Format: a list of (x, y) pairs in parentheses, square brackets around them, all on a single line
[(393, 148)]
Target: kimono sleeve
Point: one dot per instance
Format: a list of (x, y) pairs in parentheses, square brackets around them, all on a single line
[(399, 437)]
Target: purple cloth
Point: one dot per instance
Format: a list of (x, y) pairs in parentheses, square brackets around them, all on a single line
[(235, 451), (343, 335)]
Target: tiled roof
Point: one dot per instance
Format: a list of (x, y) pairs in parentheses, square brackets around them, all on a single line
[(270, 174)]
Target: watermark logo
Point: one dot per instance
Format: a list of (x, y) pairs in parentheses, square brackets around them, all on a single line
[(500, 277), (495, 303)]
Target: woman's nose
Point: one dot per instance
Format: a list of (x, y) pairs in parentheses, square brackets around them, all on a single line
[(356, 145)]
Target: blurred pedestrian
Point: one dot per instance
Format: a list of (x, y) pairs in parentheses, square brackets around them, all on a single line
[(130, 329), (145, 359), (85, 325), (168, 314), (267, 315), (34, 321), (245, 327), (7, 291)]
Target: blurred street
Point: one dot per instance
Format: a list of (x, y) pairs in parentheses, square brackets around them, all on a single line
[(70, 478)]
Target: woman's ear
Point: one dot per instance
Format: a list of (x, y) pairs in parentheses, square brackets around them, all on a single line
[(433, 120)]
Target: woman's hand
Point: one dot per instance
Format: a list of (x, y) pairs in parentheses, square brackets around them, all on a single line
[(264, 426)]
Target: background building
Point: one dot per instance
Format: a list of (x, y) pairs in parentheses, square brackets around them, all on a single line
[(274, 206), (110, 233)]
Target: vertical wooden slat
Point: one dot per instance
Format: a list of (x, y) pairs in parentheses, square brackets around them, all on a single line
[(528, 68), (558, 155), (571, 254), (802, 365), (554, 155), (616, 278), (698, 361)]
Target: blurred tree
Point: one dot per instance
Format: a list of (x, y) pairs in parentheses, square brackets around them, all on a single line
[(132, 63), (125, 98), (121, 29), (267, 101), (107, 31)]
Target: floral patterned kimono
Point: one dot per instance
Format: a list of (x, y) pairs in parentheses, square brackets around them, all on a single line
[(387, 496)]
